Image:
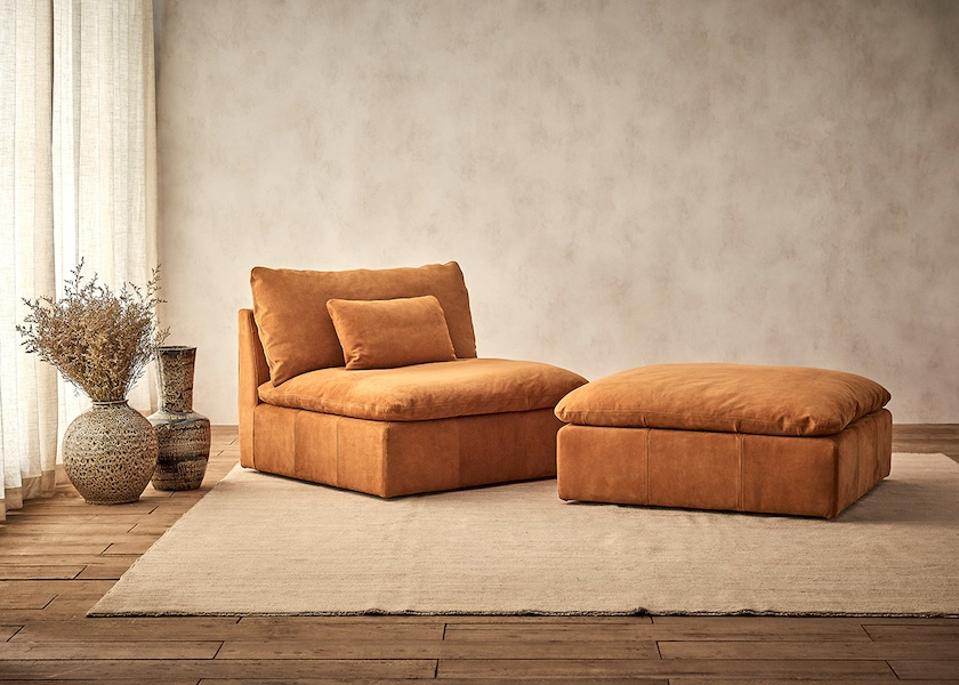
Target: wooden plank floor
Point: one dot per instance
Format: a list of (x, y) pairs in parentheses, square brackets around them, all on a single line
[(59, 555)]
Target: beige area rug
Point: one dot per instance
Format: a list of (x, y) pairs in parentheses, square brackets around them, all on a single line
[(260, 544)]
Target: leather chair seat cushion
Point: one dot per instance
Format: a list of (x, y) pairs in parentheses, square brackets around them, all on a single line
[(422, 392), (731, 398)]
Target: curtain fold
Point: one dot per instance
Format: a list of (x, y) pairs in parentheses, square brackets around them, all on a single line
[(28, 389), (78, 180)]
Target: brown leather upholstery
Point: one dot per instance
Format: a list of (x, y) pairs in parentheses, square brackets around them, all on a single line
[(253, 372), (295, 327), (810, 476), (383, 334), (779, 440), (734, 398), (390, 458), (439, 390), (399, 458)]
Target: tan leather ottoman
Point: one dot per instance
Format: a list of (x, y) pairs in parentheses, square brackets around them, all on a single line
[(780, 440)]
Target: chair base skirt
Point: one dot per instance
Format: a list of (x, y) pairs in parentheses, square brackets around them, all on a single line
[(392, 458), (807, 476)]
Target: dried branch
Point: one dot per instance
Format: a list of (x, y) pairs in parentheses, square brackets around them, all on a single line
[(100, 341)]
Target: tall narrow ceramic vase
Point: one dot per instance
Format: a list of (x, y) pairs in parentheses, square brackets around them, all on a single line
[(182, 434)]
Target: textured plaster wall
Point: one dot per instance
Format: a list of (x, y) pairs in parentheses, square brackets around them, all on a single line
[(623, 182)]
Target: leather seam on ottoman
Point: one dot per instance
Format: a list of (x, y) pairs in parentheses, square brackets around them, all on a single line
[(646, 482), (742, 489), (576, 419)]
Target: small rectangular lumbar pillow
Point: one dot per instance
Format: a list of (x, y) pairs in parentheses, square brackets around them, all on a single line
[(382, 334)]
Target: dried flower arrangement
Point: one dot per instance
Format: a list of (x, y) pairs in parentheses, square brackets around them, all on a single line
[(100, 341)]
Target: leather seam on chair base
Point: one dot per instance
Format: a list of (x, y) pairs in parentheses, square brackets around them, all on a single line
[(384, 449), (336, 442)]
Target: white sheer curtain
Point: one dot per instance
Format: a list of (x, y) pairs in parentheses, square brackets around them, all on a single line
[(28, 389), (104, 149), (78, 154)]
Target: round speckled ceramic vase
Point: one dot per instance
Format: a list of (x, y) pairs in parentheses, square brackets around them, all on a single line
[(109, 453), (182, 434)]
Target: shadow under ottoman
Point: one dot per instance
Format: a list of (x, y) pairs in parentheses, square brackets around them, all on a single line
[(707, 460)]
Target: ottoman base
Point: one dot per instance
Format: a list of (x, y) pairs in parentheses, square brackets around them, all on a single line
[(807, 476)]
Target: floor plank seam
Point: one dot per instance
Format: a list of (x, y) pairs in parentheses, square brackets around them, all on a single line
[(892, 668)]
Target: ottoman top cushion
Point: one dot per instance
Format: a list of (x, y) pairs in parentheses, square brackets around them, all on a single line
[(727, 398)]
